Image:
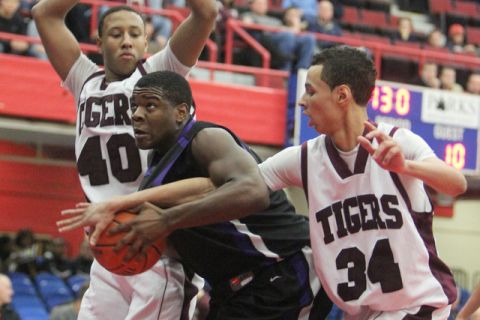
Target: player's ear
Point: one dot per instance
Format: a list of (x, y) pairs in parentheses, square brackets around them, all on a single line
[(98, 41), (343, 94), (182, 112)]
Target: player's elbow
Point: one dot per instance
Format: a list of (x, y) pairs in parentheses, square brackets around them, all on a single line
[(258, 194), (207, 12), (459, 187), (38, 11)]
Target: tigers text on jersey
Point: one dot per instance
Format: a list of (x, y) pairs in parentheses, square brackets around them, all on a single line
[(371, 230), (108, 160)]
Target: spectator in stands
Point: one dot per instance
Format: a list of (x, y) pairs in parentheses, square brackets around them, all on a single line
[(82, 263), (36, 49), (26, 252), (325, 23), (70, 310), (436, 40), (405, 31), (157, 35), (473, 83), (309, 8), (428, 76), (457, 41), (57, 260), (6, 293), (471, 308), (159, 28), (296, 50), (11, 21), (292, 18), (6, 247), (448, 80)]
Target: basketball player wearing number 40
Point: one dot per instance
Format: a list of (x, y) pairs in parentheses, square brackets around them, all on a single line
[(365, 188), (108, 161)]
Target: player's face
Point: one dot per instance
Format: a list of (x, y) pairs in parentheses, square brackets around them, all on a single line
[(156, 121), (123, 44), (318, 103)]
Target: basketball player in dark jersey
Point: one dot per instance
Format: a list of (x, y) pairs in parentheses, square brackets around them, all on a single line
[(258, 265)]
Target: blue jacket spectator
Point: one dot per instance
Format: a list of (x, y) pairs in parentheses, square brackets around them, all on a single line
[(296, 49), (309, 8)]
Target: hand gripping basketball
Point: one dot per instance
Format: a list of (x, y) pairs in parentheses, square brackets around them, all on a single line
[(115, 261)]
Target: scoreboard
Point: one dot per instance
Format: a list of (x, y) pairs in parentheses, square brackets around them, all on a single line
[(449, 122)]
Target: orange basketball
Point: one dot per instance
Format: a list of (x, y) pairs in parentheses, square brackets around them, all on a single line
[(113, 261)]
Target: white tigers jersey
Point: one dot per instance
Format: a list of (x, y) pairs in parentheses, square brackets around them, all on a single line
[(108, 160), (371, 229)]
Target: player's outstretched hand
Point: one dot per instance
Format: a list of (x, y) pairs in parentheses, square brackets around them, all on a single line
[(98, 215), (148, 227), (388, 153)]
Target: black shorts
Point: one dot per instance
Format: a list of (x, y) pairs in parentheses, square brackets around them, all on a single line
[(287, 290)]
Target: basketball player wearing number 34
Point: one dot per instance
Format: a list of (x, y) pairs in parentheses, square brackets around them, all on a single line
[(370, 217), (108, 160)]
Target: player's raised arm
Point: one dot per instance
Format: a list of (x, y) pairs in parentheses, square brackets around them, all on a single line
[(189, 39), (61, 46)]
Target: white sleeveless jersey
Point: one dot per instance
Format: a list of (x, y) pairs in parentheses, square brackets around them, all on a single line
[(108, 160), (371, 230)]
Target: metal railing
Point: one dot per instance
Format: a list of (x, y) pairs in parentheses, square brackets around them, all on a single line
[(378, 49)]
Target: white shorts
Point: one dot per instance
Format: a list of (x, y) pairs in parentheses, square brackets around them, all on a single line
[(156, 294), (437, 314)]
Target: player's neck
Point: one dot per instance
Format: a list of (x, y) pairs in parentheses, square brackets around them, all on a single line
[(112, 77), (345, 139)]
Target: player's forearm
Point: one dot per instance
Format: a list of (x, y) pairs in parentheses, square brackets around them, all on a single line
[(233, 200), (436, 174), (52, 9), (164, 196)]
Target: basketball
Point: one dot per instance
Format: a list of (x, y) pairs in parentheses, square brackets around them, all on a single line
[(113, 261)]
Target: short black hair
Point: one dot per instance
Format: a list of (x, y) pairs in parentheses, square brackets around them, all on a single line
[(349, 66), (113, 10), (175, 88)]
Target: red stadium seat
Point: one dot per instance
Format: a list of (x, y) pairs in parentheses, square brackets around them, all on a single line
[(440, 6), (377, 19), (351, 15), (469, 9), (473, 35)]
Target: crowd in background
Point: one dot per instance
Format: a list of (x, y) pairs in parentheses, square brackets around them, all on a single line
[(25, 252), (291, 46)]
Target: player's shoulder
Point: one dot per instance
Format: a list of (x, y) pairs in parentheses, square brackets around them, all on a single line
[(316, 143)]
